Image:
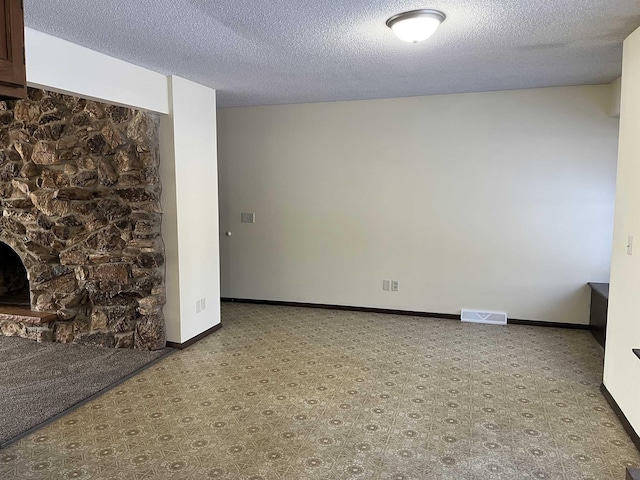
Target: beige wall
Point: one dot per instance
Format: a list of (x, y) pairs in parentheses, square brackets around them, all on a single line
[(500, 200), (622, 368)]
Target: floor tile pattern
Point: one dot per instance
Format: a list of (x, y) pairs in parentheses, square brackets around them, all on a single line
[(291, 393)]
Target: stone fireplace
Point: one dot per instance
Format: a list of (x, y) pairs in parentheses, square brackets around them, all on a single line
[(80, 222)]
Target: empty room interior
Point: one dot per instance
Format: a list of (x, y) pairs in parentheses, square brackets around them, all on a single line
[(297, 240)]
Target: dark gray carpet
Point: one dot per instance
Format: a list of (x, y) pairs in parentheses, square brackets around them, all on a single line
[(41, 380)]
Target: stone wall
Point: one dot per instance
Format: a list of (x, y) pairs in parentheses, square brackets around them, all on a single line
[(80, 202)]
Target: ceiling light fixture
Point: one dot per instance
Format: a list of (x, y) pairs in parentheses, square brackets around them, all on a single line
[(416, 25)]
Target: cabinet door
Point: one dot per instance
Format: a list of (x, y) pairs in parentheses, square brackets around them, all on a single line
[(13, 83)]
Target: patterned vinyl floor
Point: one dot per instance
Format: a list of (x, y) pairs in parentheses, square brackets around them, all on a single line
[(292, 393)]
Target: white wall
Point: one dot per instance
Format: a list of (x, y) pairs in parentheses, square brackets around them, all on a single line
[(188, 163), (622, 368), (500, 200), (65, 67), (190, 204)]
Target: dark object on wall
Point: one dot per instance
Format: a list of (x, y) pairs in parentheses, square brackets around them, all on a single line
[(598, 315), (13, 81), (637, 352)]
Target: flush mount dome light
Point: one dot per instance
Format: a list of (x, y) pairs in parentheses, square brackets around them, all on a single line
[(416, 25)]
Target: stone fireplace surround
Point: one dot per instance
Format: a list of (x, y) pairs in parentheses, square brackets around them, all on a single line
[(80, 203)]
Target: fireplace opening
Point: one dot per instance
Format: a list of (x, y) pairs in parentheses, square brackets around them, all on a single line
[(14, 283)]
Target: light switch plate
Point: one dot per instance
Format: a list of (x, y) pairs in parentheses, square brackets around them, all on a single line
[(248, 217)]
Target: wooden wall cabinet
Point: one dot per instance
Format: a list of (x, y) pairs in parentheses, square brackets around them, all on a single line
[(13, 81)]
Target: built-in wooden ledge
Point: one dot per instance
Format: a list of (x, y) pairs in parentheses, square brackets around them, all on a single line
[(26, 316)]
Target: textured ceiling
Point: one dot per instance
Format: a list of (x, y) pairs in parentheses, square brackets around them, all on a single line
[(293, 51)]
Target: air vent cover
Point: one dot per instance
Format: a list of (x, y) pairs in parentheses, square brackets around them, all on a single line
[(482, 316)]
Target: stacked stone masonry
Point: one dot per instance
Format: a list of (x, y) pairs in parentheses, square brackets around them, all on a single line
[(80, 202)]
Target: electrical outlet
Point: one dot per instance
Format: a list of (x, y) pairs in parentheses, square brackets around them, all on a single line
[(201, 305), (248, 217), (395, 285), (386, 285)]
